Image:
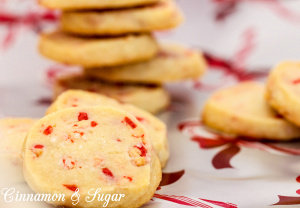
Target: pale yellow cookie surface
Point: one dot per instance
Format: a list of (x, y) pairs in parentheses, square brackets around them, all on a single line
[(12, 134), (93, 4), (172, 63), (243, 111), (156, 128), (87, 148), (150, 98), (283, 90), (160, 16), (97, 52)]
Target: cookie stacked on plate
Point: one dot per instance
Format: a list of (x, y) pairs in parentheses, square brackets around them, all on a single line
[(253, 111), (112, 41)]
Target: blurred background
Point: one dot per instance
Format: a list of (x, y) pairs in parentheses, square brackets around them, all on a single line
[(241, 40)]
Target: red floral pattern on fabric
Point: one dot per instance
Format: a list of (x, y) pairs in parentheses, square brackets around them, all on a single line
[(232, 145), (34, 20), (226, 8)]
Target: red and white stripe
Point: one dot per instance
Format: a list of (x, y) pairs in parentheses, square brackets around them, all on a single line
[(187, 201)]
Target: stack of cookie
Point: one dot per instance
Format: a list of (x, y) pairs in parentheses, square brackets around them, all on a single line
[(112, 41), (253, 111)]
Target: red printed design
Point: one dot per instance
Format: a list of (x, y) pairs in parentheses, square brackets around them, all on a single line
[(221, 204), (54, 72), (283, 12), (289, 200), (183, 200), (232, 145), (230, 69), (226, 8), (44, 101), (170, 178), (34, 20), (235, 67)]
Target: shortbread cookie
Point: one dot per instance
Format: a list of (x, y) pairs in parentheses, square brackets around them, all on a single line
[(243, 111), (87, 148), (161, 16), (93, 4), (97, 52), (12, 134), (173, 63), (156, 128), (151, 98), (283, 90)]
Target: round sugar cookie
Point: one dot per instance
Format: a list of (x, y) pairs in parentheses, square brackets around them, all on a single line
[(156, 128), (93, 4), (283, 90), (147, 97), (172, 63), (90, 148), (160, 16), (243, 111), (12, 134), (97, 52)]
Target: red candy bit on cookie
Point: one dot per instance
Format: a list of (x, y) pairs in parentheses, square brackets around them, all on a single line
[(37, 149), (83, 116), (142, 149), (140, 119), (39, 146), (48, 130), (71, 187), (141, 136), (69, 163), (78, 133), (127, 177), (296, 81), (129, 122), (107, 172), (94, 124), (70, 139)]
